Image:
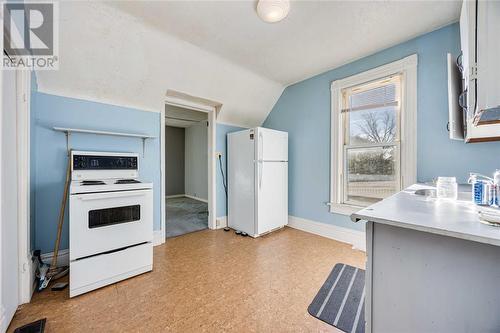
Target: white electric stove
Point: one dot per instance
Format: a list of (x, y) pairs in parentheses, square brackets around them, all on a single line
[(110, 220)]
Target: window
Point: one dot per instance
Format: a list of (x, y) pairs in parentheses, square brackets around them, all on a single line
[(373, 135), (371, 140)]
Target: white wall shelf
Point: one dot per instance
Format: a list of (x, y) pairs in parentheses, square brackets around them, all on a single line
[(68, 132)]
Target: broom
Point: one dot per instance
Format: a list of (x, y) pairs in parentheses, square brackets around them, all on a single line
[(54, 271)]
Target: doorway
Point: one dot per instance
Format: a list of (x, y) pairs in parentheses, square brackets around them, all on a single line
[(211, 108), (186, 170)]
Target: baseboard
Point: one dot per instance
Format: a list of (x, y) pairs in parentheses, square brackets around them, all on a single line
[(195, 198), (175, 196), (186, 196), (354, 237), (62, 260), (220, 222), (158, 237)]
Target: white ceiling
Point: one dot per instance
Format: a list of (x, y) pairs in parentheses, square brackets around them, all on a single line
[(131, 53), (109, 56), (316, 35)]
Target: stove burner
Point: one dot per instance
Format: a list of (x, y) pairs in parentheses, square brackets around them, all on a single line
[(127, 181), (92, 182)]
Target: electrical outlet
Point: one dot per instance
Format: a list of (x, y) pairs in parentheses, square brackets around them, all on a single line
[(218, 154)]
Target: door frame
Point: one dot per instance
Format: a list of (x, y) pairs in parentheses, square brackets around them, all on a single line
[(211, 108), (26, 265)]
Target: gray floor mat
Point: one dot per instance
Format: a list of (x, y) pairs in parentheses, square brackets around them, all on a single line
[(340, 301)]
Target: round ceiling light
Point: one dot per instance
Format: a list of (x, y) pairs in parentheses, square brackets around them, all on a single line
[(273, 10)]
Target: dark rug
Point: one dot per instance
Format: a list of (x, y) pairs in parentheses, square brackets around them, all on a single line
[(34, 327), (341, 300)]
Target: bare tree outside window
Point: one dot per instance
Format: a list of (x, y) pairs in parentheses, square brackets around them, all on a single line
[(378, 126)]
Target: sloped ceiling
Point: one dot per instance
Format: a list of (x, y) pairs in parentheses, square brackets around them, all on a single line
[(110, 56), (130, 52), (315, 37)]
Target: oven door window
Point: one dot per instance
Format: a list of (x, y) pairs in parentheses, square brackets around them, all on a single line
[(116, 215)]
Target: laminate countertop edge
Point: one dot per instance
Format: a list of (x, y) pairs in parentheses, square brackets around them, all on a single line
[(406, 209)]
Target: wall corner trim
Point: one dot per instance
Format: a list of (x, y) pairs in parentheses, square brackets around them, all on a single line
[(221, 222), (354, 237), (158, 237)]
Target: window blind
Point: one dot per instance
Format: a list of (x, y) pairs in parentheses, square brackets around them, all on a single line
[(373, 98)]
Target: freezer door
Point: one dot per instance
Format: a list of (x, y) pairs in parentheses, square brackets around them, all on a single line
[(271, 145), (241, 181), (272, 195)]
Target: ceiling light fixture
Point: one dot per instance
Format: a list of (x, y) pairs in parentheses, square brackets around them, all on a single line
[(272, 11)]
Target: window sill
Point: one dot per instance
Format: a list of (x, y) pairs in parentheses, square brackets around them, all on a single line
[(344, 209)]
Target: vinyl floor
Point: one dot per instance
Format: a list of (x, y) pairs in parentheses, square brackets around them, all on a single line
[(207, 281)]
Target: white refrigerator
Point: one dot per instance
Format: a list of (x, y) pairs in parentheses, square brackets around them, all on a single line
[(257, 180)]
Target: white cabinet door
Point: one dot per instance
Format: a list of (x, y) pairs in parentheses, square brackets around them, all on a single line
[(464, 38), (467, 41), (481, 67), (488, 54)]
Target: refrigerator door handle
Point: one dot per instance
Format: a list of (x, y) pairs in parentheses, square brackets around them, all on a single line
[(260, 157), (261, 146), (261, 169)]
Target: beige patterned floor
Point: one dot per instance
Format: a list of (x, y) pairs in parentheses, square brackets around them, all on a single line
[(207, 281)]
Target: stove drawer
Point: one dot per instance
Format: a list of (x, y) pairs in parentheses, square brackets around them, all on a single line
[(104, 269), (101, 222)]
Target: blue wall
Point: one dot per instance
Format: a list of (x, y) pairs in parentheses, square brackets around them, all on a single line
[(221, 146), (303, 110), (49, 153)]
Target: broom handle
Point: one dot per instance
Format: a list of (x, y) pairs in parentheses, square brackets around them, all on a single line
[(61, 217)]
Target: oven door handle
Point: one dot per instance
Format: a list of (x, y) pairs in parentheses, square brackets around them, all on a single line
[(89, 197)]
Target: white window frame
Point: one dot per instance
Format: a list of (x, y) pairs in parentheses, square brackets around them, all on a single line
[(407, 67)]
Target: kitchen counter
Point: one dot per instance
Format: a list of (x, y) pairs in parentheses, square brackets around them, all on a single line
[(423, 213), (432, 266)]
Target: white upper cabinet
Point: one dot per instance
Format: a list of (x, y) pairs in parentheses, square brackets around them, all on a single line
[(480, 64)]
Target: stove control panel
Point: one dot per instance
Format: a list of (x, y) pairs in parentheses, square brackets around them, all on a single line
[(95, 162)]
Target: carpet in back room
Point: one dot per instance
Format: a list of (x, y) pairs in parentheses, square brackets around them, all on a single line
[(185, 215)]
